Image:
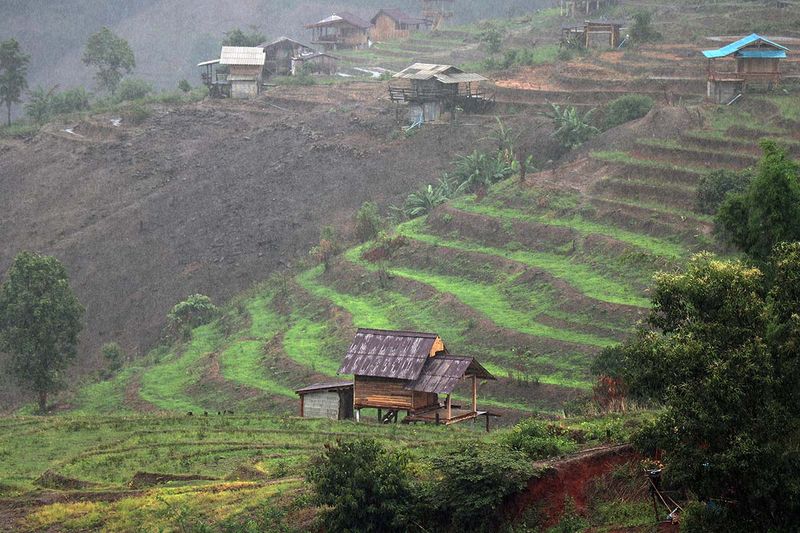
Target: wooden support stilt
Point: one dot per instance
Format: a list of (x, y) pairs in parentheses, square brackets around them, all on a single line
[(474, 394), (379, 415), (449, 408)]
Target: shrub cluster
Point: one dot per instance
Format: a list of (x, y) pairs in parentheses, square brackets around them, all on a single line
[(196, 310), (626, 108), (716, 185)]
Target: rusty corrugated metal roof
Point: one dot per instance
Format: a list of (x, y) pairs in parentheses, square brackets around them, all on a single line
[(442, 373), (330, 385), (388, 354)]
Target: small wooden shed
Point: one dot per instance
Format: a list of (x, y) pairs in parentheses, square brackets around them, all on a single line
[(332, 400), (593, 33), (430, 90), (407, 371), (279, 53), (340, 30), (750, 60), (395, 24), (246, 65)]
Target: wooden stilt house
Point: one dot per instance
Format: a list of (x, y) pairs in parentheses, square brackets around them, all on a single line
[(395, 24), (398, 371), (279, 54), (750, 60), (340, 30)]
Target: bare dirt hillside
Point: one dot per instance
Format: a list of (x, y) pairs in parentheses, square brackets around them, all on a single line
[(207, 197)]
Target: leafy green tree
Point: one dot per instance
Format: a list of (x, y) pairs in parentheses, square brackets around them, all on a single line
[(40, 319), (642, 30), (768, 212), (114, 354), (716, 185), (111, 56), (720, 352), (492, 38), (196, 310), (571, 129), (368, 222), (237, 37), (13, 72), (362, 487), (70, 101), (39, 104)]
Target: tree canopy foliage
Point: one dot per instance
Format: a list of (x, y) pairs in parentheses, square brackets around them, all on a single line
[(768, 212), (238, 37), (720, 350), (13, 72), (111, 56), (40, 319)]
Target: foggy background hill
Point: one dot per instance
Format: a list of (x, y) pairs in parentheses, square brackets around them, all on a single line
[(169, 37)]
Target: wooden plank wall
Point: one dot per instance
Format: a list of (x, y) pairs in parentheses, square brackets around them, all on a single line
[(389, 393)]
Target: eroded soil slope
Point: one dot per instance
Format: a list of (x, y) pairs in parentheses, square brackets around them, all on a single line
[(207, 197)]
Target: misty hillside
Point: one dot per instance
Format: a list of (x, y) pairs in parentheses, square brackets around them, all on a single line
[(169, 37)]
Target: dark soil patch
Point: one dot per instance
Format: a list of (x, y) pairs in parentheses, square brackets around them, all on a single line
[(247, 472), (53, 480), (142, 480)]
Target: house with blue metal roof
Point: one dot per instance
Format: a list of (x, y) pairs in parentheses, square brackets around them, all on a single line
[(750, 60)]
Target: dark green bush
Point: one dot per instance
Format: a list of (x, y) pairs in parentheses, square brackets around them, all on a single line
[(474, 481), (132, 89), (368, 222), (184, 86), (537, 440), (196, 310), (716, 185), (362, 487), (626, 108), (113, 353)]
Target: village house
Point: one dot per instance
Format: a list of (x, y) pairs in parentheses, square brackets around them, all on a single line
[(394, 24), (314, 63), (245, 69), (593, 33), (340, 30), (278, 55), (407, 371), (430, 90), (749, 61), (332, 400)]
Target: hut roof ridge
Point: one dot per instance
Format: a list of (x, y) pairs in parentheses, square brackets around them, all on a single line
[(400, 16), (735, 46)]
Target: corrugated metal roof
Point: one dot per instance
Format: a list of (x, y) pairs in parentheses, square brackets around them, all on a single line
[(388, 354), (426, 71), (735, 46), (400, 16), (283, 39), (342, 16), (442, 373), (209, 62), (460, 77), (242, 55), (329, 385)]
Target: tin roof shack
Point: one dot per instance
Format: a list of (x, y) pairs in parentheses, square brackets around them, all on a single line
[(430, 90), (314, 63), (332, 400), (756, 60), (245, 69), (340, 30), (278, 55), (395, 24), (217, 82), (593, 33), (406, 371)]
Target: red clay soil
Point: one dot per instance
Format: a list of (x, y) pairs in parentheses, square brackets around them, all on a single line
[(569, 477)]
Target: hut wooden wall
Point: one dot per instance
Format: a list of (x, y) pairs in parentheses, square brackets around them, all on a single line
[(386, 28), (749, 65), (389, 393)]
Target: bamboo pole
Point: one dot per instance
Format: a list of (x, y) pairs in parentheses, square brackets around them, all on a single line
[(474, 393)]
